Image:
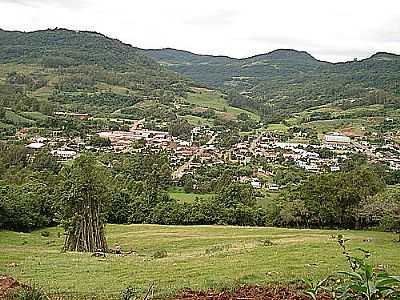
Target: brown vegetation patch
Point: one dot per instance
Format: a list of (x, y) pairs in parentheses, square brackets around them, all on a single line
[(250, 293), (7, 285)]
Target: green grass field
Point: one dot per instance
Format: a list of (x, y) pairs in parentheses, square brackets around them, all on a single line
[(197, 121), (16, 119), (198, 257), (213, 99), (188, 197), (277, 127)]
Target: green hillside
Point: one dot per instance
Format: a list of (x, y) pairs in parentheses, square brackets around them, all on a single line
[(283, 82), (46, 71), (78, 71)]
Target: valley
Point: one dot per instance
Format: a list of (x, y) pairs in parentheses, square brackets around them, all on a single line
[(209, 172)]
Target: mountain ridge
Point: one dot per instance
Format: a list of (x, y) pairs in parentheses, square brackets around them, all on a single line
[(274, 85), (150, 50)]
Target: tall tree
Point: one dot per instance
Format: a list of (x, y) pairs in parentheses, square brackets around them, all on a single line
[(84, 197)]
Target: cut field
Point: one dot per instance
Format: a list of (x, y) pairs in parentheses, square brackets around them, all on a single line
[(198, 257)]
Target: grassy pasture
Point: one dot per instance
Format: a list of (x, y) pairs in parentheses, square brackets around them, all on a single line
[(34, 115), (213, 99), (16, 119), (188, 197), (198, 257), (196, 121)]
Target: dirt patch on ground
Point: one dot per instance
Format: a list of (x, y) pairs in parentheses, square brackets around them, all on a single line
[(7, 285), (249, 293)]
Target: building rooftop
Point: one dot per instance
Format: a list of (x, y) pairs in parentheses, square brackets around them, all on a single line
[(336, 138)]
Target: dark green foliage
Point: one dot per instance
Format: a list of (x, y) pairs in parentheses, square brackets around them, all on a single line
[(393, 177), (129, 293), (181, 129), (31, 81), (98, 141), (236, 195), (330, 199), (44, 161), (382, 210), (12, 155), (160, 254), (26, 197), (25, 207), (83, 195)]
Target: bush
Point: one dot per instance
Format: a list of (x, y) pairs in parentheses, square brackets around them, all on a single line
[(45, 233), (29, 293), (160, 254), (26, 207), (128, 293)]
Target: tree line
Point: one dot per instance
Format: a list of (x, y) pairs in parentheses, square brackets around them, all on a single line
[(37, 191)]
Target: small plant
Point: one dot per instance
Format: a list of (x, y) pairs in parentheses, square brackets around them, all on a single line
[(267, 242), (215, 249), (363, 281), (29, 293), (315, 287), (45, 233), (129, 293), (160, 254)]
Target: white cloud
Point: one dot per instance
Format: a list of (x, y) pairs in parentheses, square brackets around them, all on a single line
[(329, 30)]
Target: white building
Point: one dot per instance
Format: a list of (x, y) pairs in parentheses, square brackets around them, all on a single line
[(336, 139), (64, 154), (255, 183), (35, 146)]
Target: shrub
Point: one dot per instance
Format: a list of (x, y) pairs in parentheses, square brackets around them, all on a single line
[(45, 233), (29, 293), (160, 254), (129, 293)]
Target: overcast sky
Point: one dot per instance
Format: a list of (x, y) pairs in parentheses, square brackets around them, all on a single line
[(336, 30)]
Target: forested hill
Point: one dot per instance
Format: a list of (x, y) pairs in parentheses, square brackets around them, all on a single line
[(222, 70), (286, 81), (62, 47), (79, 71)]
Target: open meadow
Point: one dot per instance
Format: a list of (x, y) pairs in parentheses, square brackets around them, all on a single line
[(177, 257)]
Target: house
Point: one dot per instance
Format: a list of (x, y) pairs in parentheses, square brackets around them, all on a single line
[(335, 168), (336, 139), (272, 187), (64, 154), (35, 146), (255, 183)]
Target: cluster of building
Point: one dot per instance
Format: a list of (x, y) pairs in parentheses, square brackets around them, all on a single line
[(187, 156)]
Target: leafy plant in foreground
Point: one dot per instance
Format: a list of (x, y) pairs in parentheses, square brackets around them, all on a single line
[(363, 281), (314, 287)]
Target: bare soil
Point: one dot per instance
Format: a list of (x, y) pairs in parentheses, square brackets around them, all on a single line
[(7, 285), (250, 293)]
